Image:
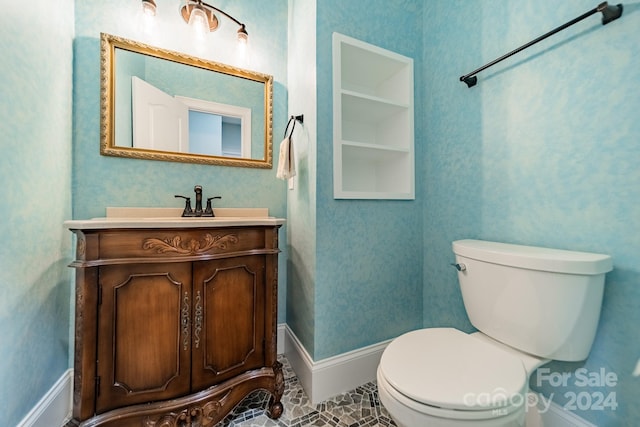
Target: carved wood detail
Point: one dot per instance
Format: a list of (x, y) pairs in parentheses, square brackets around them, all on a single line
[(194, 416), (81, 249), (79, 344), (275, 405), (192, 246)]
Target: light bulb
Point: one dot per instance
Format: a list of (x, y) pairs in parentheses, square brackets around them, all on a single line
[(149, 7), (243, 36), (198, 20)]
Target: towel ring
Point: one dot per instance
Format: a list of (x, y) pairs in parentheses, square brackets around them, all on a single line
[(293, 119)]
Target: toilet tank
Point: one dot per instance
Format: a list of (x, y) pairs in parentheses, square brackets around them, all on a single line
[(542, 301)]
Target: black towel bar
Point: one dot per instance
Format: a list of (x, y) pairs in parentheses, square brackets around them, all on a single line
[(609, 13)]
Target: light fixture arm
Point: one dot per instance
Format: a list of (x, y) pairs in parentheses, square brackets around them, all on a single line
[(222, 12), (211, 11)]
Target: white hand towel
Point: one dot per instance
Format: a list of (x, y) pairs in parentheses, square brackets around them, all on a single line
[(286, 161)]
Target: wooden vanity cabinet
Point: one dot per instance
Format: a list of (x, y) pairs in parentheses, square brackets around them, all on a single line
[(174, 327)]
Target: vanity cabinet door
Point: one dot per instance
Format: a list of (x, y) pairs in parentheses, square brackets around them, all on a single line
[(229, 318), (144, 337)]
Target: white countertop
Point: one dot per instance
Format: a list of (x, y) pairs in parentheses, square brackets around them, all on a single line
[(170, 218)]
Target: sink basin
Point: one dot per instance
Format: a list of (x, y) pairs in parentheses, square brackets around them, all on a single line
[(175, 213), (118, 217)]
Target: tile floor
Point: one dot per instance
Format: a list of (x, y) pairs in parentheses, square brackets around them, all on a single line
[(357, 408)]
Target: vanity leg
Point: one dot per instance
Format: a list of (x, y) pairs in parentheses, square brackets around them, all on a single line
[(275, 406)]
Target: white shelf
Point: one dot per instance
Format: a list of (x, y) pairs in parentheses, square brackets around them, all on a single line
[(373, 122), (376, 147), (372, 98), (374, 171)]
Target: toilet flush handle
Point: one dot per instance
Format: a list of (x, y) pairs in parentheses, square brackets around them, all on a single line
[(459, 266)]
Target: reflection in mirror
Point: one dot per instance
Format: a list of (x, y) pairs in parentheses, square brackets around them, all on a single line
[(163, 105)]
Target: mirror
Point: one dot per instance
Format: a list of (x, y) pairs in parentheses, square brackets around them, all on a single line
[(162, 105)]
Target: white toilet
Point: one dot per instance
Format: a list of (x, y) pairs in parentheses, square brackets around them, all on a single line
[(531, 305)]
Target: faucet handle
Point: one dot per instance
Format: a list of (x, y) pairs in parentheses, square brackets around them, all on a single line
[(209, 209), (188, 211)]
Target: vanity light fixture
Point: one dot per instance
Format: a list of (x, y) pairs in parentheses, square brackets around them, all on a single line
[(200, 15), (149, 7), (196, 12)]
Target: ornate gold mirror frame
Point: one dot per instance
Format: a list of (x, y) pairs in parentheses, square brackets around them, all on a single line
[(262, 119)]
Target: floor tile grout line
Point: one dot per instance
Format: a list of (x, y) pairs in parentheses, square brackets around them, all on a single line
[(360, 407)]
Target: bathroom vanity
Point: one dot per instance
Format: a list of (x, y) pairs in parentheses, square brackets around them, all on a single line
[(175, 319)]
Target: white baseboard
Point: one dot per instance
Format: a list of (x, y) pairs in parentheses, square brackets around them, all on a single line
[(54, 409), (334, 375), (282, 328), (320, 380)]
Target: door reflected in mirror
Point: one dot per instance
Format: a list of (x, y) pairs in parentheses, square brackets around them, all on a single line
[(180, 124), (163, 105)]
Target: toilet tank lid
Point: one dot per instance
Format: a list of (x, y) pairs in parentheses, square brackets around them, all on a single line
[(534, 258)]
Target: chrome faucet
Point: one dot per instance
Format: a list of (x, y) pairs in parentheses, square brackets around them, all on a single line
[(189, 212)]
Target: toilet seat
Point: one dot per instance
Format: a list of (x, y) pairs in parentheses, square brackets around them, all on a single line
[(448, 373), (387, 392)]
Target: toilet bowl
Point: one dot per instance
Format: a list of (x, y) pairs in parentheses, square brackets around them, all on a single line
[(522, 300), (444, 377)]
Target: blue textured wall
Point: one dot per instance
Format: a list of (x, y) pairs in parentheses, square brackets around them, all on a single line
[(369, 253), (544, 151), (35, 172), (100, 181)]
